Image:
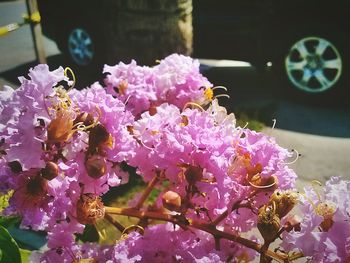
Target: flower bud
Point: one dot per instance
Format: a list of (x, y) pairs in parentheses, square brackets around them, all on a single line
[(193, 174), (36, 187), (293, 223), (96, 166), (284, 201), (50, 171), (152, 110), (171, 201), (89, 209), (99, 136)]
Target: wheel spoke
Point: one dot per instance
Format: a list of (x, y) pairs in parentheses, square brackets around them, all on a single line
[(321, 47), (88, 53), (296, 65), (79, 34), (306, 77), (301, 48), (87, 41), (77, 51), (73, 41), (321, 78), (332, 64)]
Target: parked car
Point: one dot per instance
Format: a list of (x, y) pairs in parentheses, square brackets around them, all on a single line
[(306, 41)]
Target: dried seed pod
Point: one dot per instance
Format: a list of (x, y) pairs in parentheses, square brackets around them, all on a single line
[(171, 201), (268, 223), (89, 209), (284, 201), (50, 171), (96, 166)]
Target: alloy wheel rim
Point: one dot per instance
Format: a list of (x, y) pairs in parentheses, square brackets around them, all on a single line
[(80, 46), (313, 65)]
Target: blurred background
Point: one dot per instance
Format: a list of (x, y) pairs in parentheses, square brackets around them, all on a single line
[(285, 61)]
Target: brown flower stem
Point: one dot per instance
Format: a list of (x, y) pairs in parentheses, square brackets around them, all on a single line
[(235, 206), (220, 218), (209, 228), (114, 222), (147, 191)]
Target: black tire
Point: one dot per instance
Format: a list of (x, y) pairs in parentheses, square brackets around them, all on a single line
[(326, 85)]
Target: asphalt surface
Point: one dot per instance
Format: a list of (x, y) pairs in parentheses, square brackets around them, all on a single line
[(320, 134)]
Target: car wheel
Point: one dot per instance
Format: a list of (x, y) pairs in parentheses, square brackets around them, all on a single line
[(81, 46), (313, 66)]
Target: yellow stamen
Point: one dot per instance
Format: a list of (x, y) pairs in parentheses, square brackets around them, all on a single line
[(66, 70), (123, 85), (209, 94), (188, 104), (326, 209), (130, 228)]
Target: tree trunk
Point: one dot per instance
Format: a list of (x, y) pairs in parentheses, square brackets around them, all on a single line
[(148, 30)]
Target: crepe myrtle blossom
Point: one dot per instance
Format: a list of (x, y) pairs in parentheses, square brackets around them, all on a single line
[(175, 80), (179, 246), (323, 234), (58, 146), (210, 163), (87, 252), (24, 112)]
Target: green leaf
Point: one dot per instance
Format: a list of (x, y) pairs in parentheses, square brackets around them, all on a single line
[(8, 247), (90, 234), (9, 221), (25, 254)]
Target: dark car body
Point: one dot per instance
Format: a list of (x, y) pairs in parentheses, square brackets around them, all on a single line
[(257, 31)]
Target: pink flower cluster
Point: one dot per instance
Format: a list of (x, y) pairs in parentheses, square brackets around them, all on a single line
[(324, 232), (176, 80), (62, 150)]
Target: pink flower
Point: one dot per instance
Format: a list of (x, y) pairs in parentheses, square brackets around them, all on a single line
[(325, 228), (175, 80), (178, 80), (132, 84), (186, 246)]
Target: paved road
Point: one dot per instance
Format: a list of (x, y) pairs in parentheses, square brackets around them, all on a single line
[(17, 48), (320, 134)]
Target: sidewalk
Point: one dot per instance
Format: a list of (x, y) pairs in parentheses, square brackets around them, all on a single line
[(321, 157)]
